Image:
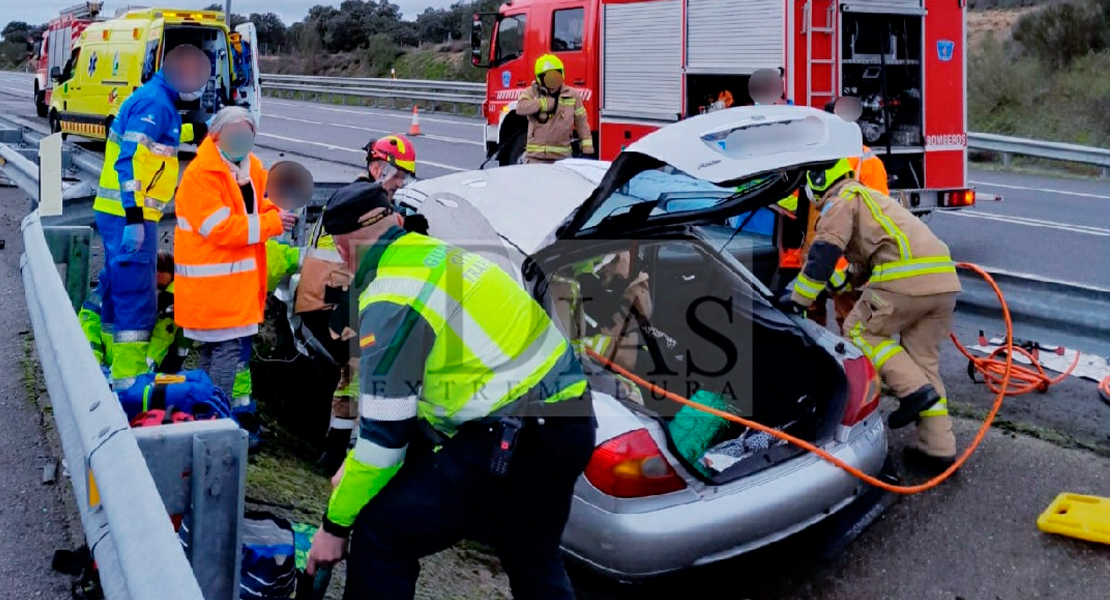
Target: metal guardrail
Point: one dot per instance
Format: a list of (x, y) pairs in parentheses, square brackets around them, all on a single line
[(128, 482), (1009, 146), (454, 93)]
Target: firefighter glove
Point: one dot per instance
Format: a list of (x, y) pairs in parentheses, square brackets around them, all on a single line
[(786, 303)]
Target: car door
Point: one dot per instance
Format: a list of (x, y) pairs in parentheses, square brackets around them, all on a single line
[(70, 84)]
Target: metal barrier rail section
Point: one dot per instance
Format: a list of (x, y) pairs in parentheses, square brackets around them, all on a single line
[(128, 483)]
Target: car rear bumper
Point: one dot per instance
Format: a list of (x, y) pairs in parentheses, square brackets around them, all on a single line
[(767, 507)]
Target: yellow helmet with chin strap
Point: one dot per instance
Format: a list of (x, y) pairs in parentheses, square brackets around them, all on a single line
[(548, 62), (819, 181)]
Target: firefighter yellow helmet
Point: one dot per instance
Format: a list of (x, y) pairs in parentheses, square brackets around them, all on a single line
[(548, 62), (821, 180)]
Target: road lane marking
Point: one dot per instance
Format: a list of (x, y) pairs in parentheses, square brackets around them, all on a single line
[(1034, 223), (1042, 278), (394, 115), (439, 138), (358, 151), (1035, 189), (13, 91)]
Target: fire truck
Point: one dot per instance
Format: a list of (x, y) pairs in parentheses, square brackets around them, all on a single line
[(641, 64), (57, 43)]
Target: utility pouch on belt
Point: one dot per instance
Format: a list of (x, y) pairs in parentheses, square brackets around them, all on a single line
[(507, 433)]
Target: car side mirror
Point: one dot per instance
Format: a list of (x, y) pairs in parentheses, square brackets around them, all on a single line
[(56, 74)]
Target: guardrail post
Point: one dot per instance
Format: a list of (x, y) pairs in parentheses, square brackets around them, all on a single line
[(1105, 173), (200, 468), (1007, 159), (70, 247)]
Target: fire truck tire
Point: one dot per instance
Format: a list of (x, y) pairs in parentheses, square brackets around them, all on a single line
[(513, 153), (41, 109)]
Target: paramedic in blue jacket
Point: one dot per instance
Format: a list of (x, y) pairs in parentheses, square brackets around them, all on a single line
[(138, 180)]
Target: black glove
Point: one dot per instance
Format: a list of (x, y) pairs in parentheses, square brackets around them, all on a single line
[(786, 302), (416, 223)]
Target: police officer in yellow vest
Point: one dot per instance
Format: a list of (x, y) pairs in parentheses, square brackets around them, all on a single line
[(450, 341), (138, 180)]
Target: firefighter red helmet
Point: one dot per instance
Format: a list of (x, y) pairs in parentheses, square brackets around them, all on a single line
[(396, 150)]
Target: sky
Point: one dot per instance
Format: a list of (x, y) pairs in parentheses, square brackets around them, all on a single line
[(290, 11)]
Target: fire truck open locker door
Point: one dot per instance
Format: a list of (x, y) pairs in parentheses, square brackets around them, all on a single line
[(641, 71), (727, 41)]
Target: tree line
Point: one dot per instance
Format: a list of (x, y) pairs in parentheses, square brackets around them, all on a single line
[(353, 25)]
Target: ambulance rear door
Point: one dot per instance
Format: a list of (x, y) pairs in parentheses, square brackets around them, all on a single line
[(250, 86)]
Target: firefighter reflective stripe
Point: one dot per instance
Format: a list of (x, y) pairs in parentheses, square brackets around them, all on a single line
[(543, 103), (939, 409), (598, 343), (877, 354), (341, 423), (213, 220), (569, 102), (904, 269), (216, 269), (541, 149), (853, 191), (838, 280), (808, 287)]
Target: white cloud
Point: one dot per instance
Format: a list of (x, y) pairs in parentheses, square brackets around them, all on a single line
[(290, 11)]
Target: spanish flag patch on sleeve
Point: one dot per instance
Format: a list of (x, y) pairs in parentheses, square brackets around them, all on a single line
[(366, 341)]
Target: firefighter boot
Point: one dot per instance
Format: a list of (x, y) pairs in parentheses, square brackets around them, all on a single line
[(910, 406), (934, 448)]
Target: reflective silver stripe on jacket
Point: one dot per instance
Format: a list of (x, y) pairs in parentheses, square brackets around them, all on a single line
[(216, 269), (254, 229), (130, 336), (183, 224), (144, 140), (214, 220), (148, 201)]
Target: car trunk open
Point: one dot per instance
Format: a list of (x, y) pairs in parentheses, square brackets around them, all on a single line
[(777, 375)]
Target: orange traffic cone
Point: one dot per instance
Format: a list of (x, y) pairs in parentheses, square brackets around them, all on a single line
[(414, 129)]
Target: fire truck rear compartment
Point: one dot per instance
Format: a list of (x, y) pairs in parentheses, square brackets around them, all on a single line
[(881, 64)]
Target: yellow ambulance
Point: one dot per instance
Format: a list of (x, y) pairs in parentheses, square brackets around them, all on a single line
[(113, 58)]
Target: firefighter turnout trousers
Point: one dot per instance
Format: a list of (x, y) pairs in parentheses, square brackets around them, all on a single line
[(912, 360)]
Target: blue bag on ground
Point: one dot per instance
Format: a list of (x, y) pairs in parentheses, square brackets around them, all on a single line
[(269, 568), (189, 391)]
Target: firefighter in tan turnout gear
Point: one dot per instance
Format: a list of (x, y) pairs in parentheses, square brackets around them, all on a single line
[(555, 113), (906, 308)]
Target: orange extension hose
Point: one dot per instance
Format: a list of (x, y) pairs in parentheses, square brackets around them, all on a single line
[(998, 374)]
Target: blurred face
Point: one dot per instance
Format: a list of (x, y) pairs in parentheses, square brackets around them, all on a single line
[(187, 71), (235, 140), (553, 80), (390, 177)]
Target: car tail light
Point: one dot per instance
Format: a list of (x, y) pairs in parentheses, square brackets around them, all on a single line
[(961, 198), (863, 390), (632, 466)]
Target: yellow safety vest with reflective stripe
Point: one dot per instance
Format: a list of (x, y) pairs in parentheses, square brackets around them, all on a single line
[(155, 170), (493, 342)]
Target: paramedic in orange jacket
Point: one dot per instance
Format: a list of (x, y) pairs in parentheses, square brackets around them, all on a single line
[(223, 222)]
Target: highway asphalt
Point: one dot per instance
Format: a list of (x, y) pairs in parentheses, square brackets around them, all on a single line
[(973, 538), (1056, 228)]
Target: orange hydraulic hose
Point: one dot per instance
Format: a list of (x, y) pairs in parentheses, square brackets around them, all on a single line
[(1007, 370), (1030, 378)]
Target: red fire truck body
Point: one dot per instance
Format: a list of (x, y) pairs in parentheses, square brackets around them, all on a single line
[(57, 44), (641, 64)]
